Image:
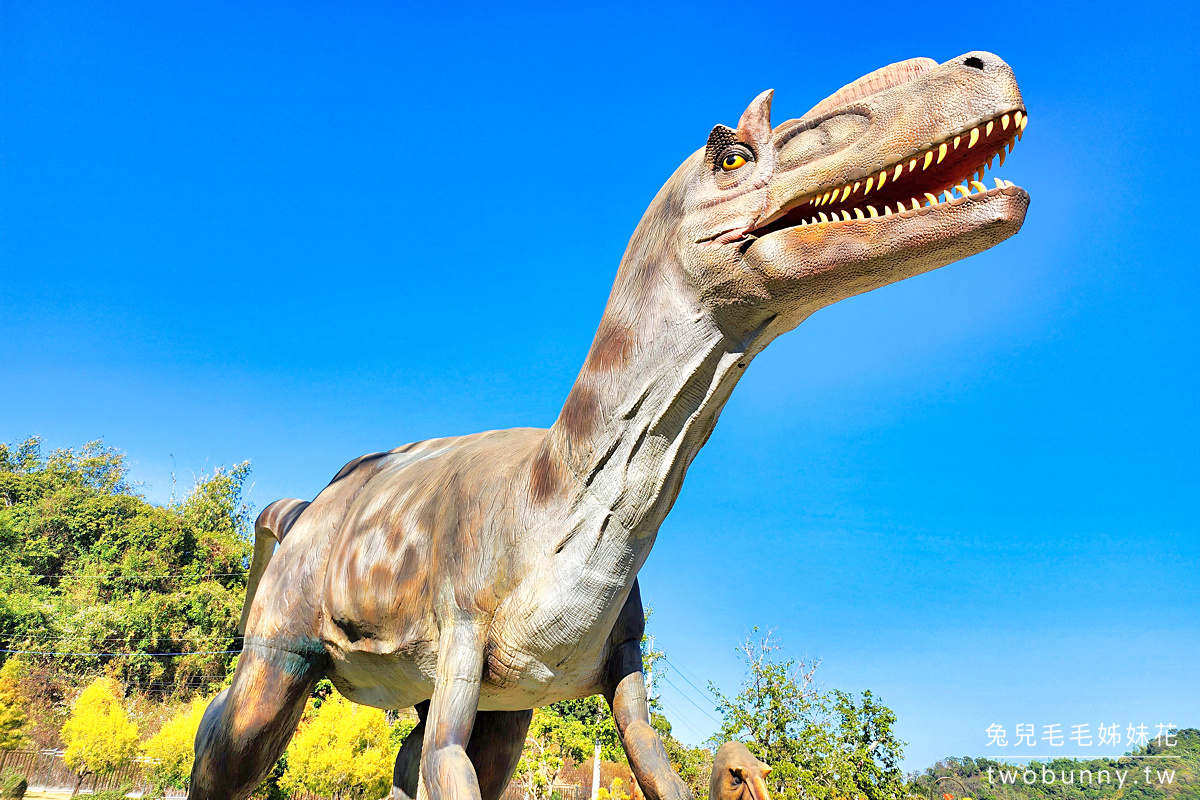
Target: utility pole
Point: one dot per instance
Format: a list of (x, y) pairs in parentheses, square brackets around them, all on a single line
[(596, 771)]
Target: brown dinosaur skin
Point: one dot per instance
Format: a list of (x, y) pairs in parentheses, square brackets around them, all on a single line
[(737, 775), (493, 573)]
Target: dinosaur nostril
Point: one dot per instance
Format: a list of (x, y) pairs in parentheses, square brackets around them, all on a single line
[(975, 62)]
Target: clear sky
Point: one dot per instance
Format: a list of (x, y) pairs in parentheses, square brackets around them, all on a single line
[(296, 233)]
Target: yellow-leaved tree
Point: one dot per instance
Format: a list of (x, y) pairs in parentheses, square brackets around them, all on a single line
[(341, 751), (99, 735), (12, 706), (172, 748)]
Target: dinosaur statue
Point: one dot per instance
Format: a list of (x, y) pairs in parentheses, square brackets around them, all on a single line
[(738, 775), (477, 577)]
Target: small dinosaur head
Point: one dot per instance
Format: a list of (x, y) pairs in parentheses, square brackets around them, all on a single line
[(737, 775), (880, 181)]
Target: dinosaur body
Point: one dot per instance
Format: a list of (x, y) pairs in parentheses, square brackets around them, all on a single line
[(480, 576)]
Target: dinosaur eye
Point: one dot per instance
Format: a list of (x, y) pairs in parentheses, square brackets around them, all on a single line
[(734, 777), (732, 161)]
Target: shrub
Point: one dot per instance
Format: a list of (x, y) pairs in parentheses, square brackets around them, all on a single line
[(13, 784), (173, 746), (342, 751), (12, 706), (99, 735)]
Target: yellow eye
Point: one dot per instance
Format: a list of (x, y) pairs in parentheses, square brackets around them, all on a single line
[(732, 162)]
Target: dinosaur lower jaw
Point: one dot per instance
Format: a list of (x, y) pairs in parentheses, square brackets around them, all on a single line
[(953, 168), (822, 264)]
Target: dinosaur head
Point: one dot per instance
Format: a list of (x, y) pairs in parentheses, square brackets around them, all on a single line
[(880, 181), (737, 775)]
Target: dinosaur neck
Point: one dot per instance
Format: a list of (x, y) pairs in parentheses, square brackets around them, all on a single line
[(658, 374)]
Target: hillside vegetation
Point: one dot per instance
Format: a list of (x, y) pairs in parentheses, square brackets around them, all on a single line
[(1174, 774), (108, 582)]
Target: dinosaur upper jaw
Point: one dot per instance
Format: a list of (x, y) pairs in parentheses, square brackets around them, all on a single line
[(905, 195)]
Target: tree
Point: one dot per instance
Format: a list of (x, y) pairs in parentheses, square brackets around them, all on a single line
[(172, 748), (341, 751), (13, 718), (552, 738), (88, 566), (820, 745), (99, 735)]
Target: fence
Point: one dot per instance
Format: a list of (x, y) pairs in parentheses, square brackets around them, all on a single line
[(46, 772)]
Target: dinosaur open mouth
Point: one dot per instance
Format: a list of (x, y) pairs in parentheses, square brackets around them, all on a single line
[(925, 178)]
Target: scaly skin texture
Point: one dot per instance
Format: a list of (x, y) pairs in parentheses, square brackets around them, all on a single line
[(492, 573)]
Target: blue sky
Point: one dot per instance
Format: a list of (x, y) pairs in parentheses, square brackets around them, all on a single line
[(298, 233)]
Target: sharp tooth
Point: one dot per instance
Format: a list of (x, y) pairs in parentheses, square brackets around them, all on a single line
[(1021, 127), (979, 174), (963, 190), (1010, 184), (887, 211), (823, 217), (999, 183), (1017, 117), (899, 206), (912, 165), (941, 152), (898, 172), (991, 158), (1004, 122), (977, 186), (928, 160), (824, 199), (916, 204), (871, 210), (949, 195), (855, 189), (858, 213), (845, 193), (882, 178), (1001, 154), (802, 223), (988, 130), (846, 216), (957, 139), (933, 201), (870, 181), (812, 221), (974, 138)]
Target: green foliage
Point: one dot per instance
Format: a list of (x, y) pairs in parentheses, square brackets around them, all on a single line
[(13, 716), (341, 751), (598, 724), (99, 735), (980, 778), (13, 785), (552, 739), (88, 566), (819, 745), (172, 748)]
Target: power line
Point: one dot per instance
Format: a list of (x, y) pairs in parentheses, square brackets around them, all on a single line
[(152, 655), (140, 576), (690, 700), (680, 718), (685, 677)]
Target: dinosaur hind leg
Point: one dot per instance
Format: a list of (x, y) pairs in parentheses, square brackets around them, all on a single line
[(494, 749), (246, 727)]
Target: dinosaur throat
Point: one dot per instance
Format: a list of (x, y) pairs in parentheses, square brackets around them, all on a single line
[(942, 173)]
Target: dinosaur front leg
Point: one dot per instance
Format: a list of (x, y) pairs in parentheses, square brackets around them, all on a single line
[(446, 770), (626, 694)]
